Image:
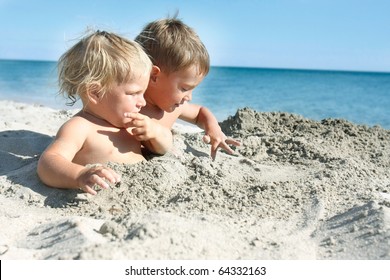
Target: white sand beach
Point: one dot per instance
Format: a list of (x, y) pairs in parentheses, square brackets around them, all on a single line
[(296, 189)]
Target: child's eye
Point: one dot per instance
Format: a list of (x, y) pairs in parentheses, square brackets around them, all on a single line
[(133, 93), (184, 89)]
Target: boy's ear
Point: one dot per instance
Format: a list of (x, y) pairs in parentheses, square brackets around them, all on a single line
[(154, 73), (94, 93)]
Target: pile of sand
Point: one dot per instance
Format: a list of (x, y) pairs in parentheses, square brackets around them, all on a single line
[(295, 189)]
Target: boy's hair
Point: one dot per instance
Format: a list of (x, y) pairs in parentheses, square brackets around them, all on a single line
[(98, 61), (174, 46)]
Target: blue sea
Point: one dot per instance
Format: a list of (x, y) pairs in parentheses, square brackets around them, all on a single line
[(360, 97)]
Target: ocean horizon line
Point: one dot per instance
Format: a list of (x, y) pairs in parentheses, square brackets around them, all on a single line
[(361, 97), (281, 68)]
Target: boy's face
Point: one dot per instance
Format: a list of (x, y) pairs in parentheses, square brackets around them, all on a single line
[(170, 91), (123, 98)]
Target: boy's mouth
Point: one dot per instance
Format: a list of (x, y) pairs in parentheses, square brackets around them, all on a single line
[(181, 103), (174, 106)]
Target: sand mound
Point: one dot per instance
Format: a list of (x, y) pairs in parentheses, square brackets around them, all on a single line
[(295, 189)]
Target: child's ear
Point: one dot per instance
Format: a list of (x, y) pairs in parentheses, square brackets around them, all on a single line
[(94, 93), (154, 73)]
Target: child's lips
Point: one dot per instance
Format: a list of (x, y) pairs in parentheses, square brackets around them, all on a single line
[(179, 104)]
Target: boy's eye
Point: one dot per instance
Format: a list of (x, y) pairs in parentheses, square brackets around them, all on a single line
[(184, 89)]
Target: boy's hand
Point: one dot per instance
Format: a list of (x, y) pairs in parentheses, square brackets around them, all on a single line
[(144, 127), (96, 174), (219, 140)]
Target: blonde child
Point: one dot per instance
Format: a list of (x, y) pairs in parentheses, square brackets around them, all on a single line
[(180, 62), (110, 75)]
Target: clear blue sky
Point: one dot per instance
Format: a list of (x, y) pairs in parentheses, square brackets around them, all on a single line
[(309, 34)]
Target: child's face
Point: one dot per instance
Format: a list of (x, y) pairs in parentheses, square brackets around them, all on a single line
[(174, 89), (123, 98)]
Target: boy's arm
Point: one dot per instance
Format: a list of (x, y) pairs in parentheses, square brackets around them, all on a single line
[(204, 118)]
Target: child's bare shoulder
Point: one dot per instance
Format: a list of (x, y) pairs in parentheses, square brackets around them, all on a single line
[(76, 125)]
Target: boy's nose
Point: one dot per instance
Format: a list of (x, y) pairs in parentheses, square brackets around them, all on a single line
[(188, 97)]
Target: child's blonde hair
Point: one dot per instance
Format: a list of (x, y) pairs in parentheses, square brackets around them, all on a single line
[(174, 46), (98, 61)]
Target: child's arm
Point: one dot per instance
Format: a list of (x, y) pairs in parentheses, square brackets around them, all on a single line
[(204, 118), (56, 169), (154, 136)]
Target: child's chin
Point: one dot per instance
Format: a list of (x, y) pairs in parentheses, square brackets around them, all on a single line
[(173, 108)]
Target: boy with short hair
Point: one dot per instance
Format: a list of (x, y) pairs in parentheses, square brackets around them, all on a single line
[(110, 75), (180, 62)]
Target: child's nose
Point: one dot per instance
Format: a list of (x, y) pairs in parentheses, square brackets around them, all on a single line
[(188, 96), (141, 102)]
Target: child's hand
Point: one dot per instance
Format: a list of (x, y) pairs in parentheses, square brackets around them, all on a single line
[(96, 174), (218, 139), (144, 127)]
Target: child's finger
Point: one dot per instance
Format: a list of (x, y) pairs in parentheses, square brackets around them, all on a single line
[(138, 131), (114, 174), (98, 180), (134, 116), (109, 175), (225, 146), (214, 147), (137, 123), (87, 189), (206, 139), (233, 142)]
